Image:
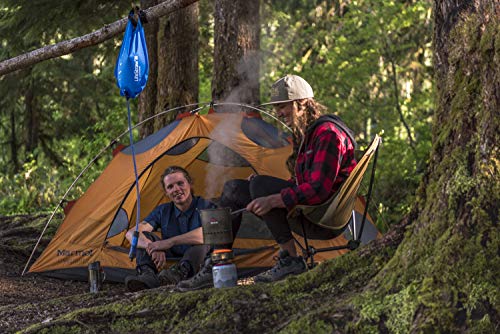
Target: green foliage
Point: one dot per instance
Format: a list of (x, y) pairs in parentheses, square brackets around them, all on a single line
[(399, 308), (308, 325), (368, 61), (60, 112)]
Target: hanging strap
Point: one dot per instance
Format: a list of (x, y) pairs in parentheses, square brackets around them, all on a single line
[(135, 238)]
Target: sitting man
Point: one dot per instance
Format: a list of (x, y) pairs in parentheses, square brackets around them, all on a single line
[(181, 235)]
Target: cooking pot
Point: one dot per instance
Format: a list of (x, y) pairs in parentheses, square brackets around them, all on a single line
[(216, 226)]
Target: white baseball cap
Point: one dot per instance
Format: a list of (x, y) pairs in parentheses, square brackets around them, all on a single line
[(290, 88)]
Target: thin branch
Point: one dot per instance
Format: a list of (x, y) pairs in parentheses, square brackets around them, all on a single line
[(398, 106), (94, 38)]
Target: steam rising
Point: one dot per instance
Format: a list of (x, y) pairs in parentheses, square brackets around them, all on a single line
[(245, 89)]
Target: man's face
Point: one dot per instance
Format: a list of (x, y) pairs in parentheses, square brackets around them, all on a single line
[(285, 111), (177, 188)]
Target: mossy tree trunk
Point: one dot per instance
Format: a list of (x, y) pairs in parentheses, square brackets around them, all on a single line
[(445, 274)]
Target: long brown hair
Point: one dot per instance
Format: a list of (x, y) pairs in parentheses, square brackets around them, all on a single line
[(312, 111)]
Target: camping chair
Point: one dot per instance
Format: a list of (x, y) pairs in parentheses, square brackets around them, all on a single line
[(336, 212)]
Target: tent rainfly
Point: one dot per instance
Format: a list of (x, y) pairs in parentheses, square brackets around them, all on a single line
[(213, 148)]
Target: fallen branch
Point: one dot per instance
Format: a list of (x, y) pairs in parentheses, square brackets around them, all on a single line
[(94, 38)]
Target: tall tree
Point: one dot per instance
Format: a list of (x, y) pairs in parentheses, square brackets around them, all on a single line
[(444, 275), (236, 57), (177, 80), (173, 58), (148, 97)]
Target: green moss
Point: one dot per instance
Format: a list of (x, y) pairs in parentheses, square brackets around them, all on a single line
[(399, 308), (307, 325)]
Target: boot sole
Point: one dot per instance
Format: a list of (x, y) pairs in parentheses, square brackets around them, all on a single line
[(204, 286), (134, 286), (261, 280)]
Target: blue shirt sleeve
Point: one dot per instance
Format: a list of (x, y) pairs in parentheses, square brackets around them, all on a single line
[(155, 217)]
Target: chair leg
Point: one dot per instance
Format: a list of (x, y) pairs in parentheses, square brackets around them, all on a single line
[(310, 251)]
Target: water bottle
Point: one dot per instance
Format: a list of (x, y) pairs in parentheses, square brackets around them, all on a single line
[(223, 270), (96, 276)]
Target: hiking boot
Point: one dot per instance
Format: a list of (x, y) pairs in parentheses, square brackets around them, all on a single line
[(146, 278), (176, 273), (202, 280), (285, 265)]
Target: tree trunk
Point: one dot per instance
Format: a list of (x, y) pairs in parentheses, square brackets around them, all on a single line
[(443, 277), (236, 58), (177, 63), (147, 98)]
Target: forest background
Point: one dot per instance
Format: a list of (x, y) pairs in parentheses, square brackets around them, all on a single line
[(426, 74), (368, 61)]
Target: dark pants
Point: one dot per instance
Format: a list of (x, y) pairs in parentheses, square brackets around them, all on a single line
[(195, 255), (238, 193)]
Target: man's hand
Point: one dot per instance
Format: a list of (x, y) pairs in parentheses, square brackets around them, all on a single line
[(162, 245), (159, 258), (262, 205)]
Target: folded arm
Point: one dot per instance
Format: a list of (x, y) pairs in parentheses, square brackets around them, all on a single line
[(142, 242), (194, 237)]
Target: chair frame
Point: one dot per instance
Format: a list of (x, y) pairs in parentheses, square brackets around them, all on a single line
[(309, 251)]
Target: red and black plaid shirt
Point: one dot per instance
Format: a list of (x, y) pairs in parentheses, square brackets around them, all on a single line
[(325, 160)]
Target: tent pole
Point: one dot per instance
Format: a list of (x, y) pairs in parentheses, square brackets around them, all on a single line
[(85, 169), (114, 141)]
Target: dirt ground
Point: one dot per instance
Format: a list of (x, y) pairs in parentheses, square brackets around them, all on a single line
[(23, 299), (21, 295), (34, 298)]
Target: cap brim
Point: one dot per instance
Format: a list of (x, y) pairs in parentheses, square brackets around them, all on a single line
[(275, 102)]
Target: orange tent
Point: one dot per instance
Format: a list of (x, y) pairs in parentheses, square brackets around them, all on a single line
[(213, 148)]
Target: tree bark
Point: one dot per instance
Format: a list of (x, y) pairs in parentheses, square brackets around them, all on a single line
[(98, 36), (178, 63), (147, 98), (236, 57), (445, 272)]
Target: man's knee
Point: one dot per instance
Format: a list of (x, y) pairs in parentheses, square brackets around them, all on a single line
[(195, 256), (235, 194), (234, 187)]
